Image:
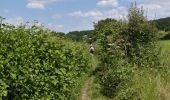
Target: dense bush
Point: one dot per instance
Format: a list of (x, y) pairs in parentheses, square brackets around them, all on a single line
[(36, 65), (125, 47), (114, 72), (142, 38), (166, 37)]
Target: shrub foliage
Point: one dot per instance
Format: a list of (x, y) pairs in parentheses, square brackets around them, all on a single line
[(125, 47), (36, 65)]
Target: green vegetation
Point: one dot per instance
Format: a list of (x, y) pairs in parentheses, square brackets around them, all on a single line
[(130, 61), (165, 44), (35, 64), (79, 35), (166, 36), (163, 24), (131, 65)]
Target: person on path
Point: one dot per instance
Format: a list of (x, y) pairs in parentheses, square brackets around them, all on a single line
[(91, 49)]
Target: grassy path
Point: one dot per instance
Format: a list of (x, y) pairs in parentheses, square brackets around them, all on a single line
[(90, 90), (86, 91), (165, 88)]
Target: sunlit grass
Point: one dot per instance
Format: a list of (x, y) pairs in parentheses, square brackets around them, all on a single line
[(148, 85), (165, 47)]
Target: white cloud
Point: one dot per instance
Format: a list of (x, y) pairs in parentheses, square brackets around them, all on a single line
[(35, 5), (55, 27), (153, 8), (60, 26), (15, 21), (86, 14), (38, 4), (19, 20), (107, 3), (114, 9), (156, 8), (117, 13)]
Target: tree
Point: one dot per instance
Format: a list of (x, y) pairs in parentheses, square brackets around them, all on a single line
[(141, 35)]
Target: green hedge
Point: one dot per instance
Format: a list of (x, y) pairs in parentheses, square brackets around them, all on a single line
[(35, 65), (125, 48)]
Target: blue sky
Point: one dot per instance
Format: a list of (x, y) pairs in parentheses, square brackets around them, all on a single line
[(70, 15)]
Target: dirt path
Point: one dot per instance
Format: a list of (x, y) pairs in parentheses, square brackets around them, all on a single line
[(163, 90), (86, 90)]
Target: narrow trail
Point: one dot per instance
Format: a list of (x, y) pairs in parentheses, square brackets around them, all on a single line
[(164, 90), (86, 91)]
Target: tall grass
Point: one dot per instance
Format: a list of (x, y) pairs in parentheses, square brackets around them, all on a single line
[(146, 85), (155, 86), (165, 45)]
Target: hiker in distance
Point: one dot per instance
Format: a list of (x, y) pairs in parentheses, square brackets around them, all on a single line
[(91, 49)]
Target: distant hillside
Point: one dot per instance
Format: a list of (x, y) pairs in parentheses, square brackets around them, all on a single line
[(163, 23), (78, 35)]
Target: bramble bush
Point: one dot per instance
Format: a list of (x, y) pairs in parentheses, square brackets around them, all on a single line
[(114, 71), (37, 65), (126, 47)]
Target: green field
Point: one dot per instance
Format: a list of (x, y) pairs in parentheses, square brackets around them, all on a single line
[(165, 46)]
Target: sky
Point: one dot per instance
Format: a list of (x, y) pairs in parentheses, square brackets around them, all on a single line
[(76, 15)]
